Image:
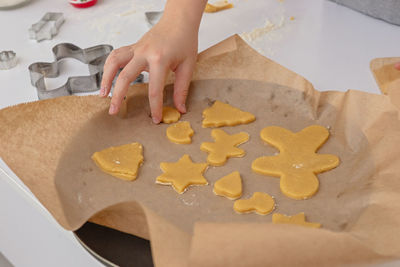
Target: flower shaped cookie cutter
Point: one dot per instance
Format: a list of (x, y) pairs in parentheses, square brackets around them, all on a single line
[(8, 60)]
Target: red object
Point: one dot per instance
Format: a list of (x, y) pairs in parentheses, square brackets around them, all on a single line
[(82, 4)]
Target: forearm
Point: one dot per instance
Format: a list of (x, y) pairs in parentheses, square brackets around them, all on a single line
[(185, 14)]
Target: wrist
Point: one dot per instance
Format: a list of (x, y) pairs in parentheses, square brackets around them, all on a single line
[(184, 14)]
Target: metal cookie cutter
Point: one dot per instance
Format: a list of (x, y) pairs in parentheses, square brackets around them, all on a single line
[(41, 31), (8, 60), (94, 57)]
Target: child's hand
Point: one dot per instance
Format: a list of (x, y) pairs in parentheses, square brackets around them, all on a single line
[(397, 65), (169, 45)]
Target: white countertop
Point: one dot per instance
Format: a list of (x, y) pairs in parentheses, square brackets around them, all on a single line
[(328, 44)]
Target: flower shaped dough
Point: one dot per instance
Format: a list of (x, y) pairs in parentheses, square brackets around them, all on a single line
[(299, 219), (260, 203), (183, 173), (180, 133), (224, 146), (298, 163)]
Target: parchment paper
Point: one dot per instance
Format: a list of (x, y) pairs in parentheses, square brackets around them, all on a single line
[(387, 77), (48, 144)]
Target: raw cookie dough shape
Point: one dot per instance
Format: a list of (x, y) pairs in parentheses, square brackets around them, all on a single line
[(182, 174), (261, 203), (229, 186), (180, 133), (121, 161), (217, 6), (298, 163), (224, 146), (170, 115), (222, 114), (299, 219)]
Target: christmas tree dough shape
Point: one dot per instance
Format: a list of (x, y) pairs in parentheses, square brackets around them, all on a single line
[(182, 174), (261, 203), (221, 114), (170, 115), (298, 163), (229, 186), (224, 146), (299, 219), (180, 133), (122, 161)]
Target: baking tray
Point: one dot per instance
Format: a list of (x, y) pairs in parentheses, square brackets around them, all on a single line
[(114, 248)]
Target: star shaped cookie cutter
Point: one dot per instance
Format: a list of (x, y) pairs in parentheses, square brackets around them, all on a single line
[(39, 31), (94, 57)]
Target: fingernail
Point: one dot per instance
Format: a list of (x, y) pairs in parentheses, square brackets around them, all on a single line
[(112, 109), (156, 120), (183, 107), (102, 91)]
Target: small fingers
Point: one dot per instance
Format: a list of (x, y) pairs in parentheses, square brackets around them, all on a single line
[(156, 87), (117, 59), (126, 76), (183, 76), (397, 65)]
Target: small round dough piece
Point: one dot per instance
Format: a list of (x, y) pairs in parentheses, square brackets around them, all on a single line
[(170, 115), (180, 133)]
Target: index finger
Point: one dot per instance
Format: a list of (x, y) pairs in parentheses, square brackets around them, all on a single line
[(156, 87), (117, 59), (125, 77)]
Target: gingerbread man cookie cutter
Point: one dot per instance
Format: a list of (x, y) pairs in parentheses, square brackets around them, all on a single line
[(94, 57)]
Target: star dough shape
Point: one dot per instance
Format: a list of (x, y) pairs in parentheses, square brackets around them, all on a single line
[(122, 161), (298, 163), (182, 174), (222, 114), (224, 146), (170, 115), (229, 186), (299, 219), (180, 133), (261, 203)]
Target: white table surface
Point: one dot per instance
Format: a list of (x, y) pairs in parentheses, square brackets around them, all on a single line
[(328, 44)]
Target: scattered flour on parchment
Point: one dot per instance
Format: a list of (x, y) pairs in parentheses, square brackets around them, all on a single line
[(189, 200)]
